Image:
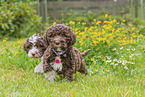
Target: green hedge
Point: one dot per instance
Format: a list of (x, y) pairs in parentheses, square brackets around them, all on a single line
[(18, 19)]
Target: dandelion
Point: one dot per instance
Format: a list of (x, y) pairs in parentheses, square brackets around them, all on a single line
[(133, 28), (19, 42), (107, 70), (117, 23), (71, 22), (124, 20), (83, 23), (4, 41), (114, 20), (18, 47), (54, 23), (141, 35), (98, 22), (96, 70), (16, 53), (92, 59), (4, 47), (106, 15), (14, 45)]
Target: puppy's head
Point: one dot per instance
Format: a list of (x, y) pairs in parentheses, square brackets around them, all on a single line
[(59, 43), (60, 31), (35, 46)]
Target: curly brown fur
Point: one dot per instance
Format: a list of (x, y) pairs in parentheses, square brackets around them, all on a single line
[(60, 39)]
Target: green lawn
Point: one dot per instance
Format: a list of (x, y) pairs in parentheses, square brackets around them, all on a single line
[(19, 80)]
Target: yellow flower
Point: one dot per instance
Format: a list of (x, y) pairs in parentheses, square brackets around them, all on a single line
[(107, 70), (103, 59), (18, 47), (114, 20), (133, 28), (92, 59), (4, 48), (83, 23), (95, 42), (19, 42), (71, 22), (98, 22), (94, 20), (4, 41), (106, 15), (81, 43), (117, 23), (14, 45), (16, 53), (96, 70), (124, 20), (141, 35), (54, 23), (134, 42)]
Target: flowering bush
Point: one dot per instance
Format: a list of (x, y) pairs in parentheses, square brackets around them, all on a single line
[(113, 45)]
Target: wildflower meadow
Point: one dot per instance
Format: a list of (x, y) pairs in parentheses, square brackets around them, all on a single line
[(115, 64)]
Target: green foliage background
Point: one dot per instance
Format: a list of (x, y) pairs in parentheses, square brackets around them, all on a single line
[(18, 19)]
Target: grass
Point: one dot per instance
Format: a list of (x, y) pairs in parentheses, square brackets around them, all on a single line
[(17, 81), (115, 65)]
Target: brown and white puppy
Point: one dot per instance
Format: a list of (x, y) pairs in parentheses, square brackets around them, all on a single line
[(35, 47), (61, 57)]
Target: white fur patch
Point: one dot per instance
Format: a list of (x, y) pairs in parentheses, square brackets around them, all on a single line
[(35, 51), (57, 66), (50, 75), (39, 68), (33, 39)]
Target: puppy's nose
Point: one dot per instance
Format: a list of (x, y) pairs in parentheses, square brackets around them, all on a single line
[(33, 54), (57, 42)]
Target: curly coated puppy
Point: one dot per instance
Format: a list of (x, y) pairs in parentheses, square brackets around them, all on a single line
[(61, 57), (35, 47)]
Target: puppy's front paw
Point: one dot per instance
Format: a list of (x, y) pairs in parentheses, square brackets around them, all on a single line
[(50, 76), (38, 69)]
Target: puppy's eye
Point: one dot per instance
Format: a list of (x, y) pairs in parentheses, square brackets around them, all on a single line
[(28, 47)]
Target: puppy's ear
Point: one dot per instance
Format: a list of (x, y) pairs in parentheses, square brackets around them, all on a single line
[(45, 38), (38, 34), (73, 39)]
